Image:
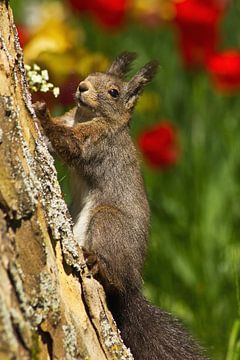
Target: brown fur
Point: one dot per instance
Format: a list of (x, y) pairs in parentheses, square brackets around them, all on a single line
[(110, 209)]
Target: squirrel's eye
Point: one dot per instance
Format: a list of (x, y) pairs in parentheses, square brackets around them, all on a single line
[(114, 93)]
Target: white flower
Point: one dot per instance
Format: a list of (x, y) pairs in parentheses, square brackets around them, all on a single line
[(56, 91), (44, 74), (27, 67), (44, 88), (36, 78), (36, 67)]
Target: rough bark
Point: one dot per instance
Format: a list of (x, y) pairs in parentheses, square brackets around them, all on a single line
[(50, 307)]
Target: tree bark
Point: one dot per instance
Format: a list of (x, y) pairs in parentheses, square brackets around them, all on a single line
[(50, 307)]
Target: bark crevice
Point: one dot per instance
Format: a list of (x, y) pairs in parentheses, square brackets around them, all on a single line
[(47, 340)]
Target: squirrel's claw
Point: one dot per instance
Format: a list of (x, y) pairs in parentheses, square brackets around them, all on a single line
[(91, 261), (42, 113), (40, 108)]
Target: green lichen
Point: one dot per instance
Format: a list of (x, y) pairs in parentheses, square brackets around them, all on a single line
[(7, 340), (47, 302), (1, 136), (113, 341), (70, 342), (26, 183), (35, 349), (56, 210), (22, 327), (16, 276)]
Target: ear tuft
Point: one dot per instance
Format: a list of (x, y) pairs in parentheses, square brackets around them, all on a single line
[(122, 64), (136, 84), (149, 71)]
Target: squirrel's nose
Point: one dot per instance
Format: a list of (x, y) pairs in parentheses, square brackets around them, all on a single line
[(82, 87)]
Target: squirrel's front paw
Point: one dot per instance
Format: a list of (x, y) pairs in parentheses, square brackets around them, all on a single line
[(40, 108), (91, 261), (42, 112)]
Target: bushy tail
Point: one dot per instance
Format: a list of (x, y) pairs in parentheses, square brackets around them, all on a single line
[(151, 333)]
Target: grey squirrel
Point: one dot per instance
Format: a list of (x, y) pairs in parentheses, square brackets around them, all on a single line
[(110, 208)]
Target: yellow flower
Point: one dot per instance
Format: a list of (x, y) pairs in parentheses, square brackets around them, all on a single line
[(57, 46), (54, 36), (164, 9), (90, 62), (149, 101)]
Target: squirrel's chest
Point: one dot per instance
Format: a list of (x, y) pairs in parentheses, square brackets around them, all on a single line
[(82, 204), (82, 221)]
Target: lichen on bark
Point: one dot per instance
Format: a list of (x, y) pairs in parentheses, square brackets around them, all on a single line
[(50, 307)]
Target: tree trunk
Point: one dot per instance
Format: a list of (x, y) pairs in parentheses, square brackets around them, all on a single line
[(50, 307)]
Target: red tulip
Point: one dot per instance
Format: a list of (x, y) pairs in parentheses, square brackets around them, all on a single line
[(220, 4), (225, 70), (79, 5), (108, 13), (68, 89), (159, 145), (197, 22), (23, 34), (47, 97)]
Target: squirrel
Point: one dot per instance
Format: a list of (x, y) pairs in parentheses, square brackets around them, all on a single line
[(110, 209)]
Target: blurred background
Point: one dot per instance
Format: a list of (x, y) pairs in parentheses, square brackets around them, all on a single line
[(186, 127)]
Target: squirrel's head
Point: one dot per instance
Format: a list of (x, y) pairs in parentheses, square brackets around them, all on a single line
[(109, 94)]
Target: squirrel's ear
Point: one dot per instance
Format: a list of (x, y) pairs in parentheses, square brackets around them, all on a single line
[(121, 65), (136, 85)]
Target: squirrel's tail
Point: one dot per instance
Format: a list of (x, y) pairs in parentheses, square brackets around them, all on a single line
[(151, 333)]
